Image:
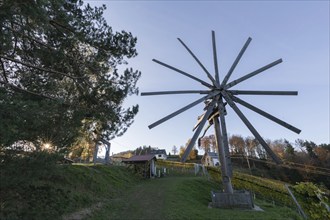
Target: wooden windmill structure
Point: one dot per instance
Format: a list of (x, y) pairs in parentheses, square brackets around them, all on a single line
[(215, 97)]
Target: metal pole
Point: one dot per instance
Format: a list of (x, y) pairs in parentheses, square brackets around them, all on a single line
[(228, 188)]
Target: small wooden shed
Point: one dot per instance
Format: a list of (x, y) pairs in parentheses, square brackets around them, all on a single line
[(142, 164)]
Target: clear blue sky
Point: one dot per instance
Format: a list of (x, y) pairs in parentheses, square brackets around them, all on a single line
[(296, 31)]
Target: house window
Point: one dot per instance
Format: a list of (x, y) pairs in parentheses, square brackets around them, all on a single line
[(159, 155)]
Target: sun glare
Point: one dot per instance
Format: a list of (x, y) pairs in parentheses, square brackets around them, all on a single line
[(47, 146)]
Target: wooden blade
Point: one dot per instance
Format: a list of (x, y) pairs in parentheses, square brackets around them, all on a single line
[(212, 94), (198, 131), (175, 92), (200, 64), (251, 128), (215, 58), (251, 92), (266, 115), (235, 82), (183, 73), (239, 56), (200, 118)]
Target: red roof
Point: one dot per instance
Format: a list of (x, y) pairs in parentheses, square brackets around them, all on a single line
[(140, 158)]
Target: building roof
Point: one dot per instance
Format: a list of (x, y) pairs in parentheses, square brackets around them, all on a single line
[(119, 156), (140, 158), (212, 154), (160, 151)]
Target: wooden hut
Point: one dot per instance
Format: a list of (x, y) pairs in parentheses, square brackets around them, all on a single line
[(142, 164)]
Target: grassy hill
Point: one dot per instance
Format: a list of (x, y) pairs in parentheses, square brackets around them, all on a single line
[(180, 197), (37, 188), (41, 189)]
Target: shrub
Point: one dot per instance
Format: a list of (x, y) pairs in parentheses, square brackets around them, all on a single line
[(313, 199)]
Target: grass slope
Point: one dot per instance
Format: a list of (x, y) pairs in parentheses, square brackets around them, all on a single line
[(37, 189), (33, 188), (180, 197)]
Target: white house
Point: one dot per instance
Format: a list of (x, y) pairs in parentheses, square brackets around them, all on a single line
[(210, 159), (160, 154)]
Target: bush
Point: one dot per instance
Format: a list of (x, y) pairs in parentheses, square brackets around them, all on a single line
[(313, 199)]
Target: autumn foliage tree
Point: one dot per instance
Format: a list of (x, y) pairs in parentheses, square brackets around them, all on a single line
[(237, 144), (193, 153), (208, 143)]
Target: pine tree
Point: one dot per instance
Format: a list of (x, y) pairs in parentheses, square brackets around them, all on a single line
[(59, 74)]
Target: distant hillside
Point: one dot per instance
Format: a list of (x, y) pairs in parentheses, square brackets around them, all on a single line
[(287, 172), (126, 154)]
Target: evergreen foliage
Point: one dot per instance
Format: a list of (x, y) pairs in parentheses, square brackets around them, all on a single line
[(59, 73)]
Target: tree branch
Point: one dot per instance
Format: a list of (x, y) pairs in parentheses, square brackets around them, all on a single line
[(26, 91), (54, 24), (28, 37), (40, 68), (15, 43), (4, 71)]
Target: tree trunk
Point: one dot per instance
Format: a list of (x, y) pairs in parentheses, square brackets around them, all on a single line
[(95, 152), (107, 153), (248, 163)]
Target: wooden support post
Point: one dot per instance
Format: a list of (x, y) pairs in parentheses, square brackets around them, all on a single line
[(301, 211), (228, 188)]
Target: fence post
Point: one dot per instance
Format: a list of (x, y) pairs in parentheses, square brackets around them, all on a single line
[(296, 202)]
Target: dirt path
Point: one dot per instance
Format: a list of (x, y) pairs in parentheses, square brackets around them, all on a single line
[(177, 197), (145, 201), (83, 213)]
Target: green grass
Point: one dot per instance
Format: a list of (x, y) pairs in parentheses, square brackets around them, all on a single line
[(33, 190), (40, 189), (185, 197)]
